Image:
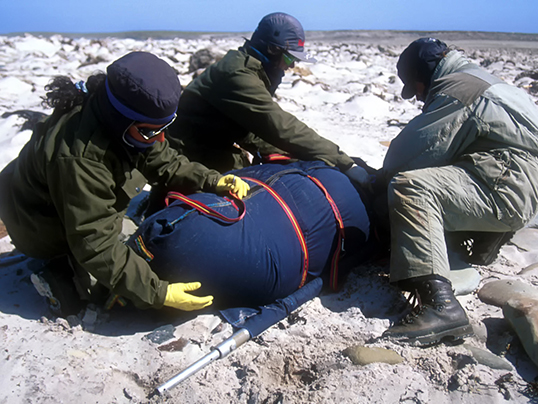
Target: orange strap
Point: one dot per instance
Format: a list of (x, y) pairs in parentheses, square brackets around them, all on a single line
[(333, 281)]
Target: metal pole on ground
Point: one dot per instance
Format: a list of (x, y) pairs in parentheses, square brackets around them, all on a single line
[(220, 351)]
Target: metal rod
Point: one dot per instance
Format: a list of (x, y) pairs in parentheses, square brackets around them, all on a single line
[(220, 351)]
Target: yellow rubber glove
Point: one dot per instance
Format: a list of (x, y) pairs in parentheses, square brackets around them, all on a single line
[(233, 184), (177, 297)]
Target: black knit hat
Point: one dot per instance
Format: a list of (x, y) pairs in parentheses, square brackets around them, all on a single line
[(417, 63), (143, 88), (284, 31)]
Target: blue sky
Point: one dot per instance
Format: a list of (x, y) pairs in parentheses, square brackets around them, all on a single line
[(79, 16)]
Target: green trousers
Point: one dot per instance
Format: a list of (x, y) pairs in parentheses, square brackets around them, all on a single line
[(426, 203)]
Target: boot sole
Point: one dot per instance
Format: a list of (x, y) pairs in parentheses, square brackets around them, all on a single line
[(453, 335)]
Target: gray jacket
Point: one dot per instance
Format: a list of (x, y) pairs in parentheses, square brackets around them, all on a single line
[(480, 123)]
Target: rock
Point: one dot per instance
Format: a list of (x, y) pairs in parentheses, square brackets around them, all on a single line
[(488, 358), (5, 247), (201, 59), (89, 319), (173, 346), (361, 355), (529, 270), (497, 293), (73, 321), (161, 334), (522, 314), (63, 323), (302, 71), (525, 239), (464, 281)]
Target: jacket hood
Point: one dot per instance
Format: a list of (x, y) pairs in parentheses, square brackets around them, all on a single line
[(452, 62)]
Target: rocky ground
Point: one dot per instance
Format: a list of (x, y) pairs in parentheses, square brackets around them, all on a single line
[(329, 350)]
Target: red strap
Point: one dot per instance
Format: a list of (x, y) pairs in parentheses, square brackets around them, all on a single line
[(294, 223), (275, 157), (333, 282), (206, 210)]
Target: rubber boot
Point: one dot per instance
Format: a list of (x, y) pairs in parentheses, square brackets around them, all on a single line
[(437, 316)]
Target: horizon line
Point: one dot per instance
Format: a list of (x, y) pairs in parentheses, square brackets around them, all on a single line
[(47, 33)]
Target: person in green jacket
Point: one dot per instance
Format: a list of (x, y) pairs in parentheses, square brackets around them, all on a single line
[(67, 192), (467, 165), (231, 104)]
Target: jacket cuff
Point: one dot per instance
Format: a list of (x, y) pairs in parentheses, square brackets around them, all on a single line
[(210, 184)]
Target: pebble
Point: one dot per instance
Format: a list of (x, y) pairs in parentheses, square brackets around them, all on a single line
[(361, 355), (488, 358), (522, 314), (497, 293)]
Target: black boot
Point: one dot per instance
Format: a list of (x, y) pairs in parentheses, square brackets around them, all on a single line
[(438, 314)]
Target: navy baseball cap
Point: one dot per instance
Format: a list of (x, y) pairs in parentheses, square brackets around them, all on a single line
[(284, 31), (417, 63)]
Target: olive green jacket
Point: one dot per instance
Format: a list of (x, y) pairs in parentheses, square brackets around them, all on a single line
[(229, 102), (68, 192)]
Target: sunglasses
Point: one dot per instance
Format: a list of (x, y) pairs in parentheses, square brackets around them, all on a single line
[(149, 134), (288, 59)]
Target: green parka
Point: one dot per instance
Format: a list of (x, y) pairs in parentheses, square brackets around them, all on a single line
[(68, 192), (230, 103)]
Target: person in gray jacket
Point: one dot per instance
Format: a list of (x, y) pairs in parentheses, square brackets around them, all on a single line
[(468, 163)]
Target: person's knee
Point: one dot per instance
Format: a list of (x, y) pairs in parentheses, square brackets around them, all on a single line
[(404, 187)]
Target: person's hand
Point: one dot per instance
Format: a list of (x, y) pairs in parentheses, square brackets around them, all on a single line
[(367, 178), (359, 176), (177, 297), (233, 184)]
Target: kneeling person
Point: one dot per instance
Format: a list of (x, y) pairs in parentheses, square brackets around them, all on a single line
[(64, 197)]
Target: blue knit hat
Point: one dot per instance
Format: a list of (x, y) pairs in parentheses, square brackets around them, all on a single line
[(143, 88)]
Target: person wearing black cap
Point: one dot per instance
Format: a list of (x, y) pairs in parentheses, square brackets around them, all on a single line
[(231, 103), (468, 164), (64, 197)]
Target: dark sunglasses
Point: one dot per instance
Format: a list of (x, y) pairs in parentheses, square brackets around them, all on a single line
[(149, 134), (289, 59)]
